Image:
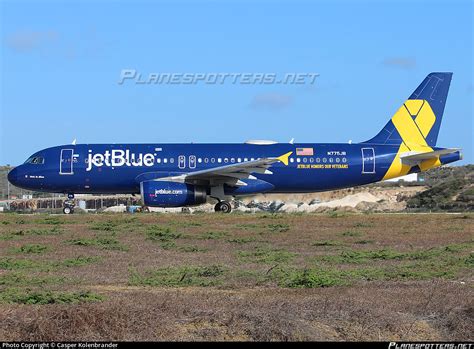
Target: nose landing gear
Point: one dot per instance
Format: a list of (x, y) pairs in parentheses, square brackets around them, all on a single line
[(69, 204)]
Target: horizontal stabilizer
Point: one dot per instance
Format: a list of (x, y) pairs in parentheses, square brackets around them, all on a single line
[(413, 159)]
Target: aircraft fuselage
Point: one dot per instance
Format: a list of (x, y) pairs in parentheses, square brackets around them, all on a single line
[(119, 168)]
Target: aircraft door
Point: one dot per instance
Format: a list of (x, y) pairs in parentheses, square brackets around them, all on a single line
[(192, 161), (181, 161), (368, 160), (66, 162)]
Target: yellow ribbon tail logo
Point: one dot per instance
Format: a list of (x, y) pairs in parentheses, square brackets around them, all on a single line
[(284, 158), (413, 121)]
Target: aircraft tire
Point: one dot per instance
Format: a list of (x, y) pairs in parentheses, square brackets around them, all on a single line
[(225, 207)]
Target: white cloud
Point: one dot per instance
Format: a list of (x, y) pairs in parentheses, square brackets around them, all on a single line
[(400, 62), (271, 101), (27, 41)]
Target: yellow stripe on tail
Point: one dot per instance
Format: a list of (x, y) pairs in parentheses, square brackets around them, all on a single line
[(413, 121)]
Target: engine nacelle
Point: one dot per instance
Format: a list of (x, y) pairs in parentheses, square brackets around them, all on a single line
[(171, 194)]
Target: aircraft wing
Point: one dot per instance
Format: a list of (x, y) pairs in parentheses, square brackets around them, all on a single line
[(414, 159), (229, 174)]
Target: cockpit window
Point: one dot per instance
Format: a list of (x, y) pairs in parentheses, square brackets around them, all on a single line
[(35, 160)]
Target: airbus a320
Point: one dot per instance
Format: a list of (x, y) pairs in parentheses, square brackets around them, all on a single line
[(175, 175)]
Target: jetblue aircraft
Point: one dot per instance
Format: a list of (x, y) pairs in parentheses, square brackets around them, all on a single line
[(175, 175)]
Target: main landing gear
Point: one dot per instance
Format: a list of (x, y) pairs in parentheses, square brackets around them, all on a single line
[(217, 193), (69, 204), (223, 206)]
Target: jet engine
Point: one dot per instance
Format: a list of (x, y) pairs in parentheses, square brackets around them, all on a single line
[(171, 194)]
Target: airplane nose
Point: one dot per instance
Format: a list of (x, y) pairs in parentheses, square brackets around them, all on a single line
[(13, 176)]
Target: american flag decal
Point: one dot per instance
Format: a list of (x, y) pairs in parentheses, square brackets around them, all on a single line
[(304, 151)]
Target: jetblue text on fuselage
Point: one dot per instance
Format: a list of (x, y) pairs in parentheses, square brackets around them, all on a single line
[(118, 158)]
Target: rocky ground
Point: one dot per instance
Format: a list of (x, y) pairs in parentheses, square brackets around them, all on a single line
[(259, 277), (361, 199)]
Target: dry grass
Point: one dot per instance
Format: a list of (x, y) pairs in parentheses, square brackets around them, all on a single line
[(236, 277)]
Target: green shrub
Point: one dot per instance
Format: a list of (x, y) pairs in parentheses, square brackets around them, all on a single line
[(79, 261), (326, 243), (156, 233), (104, 226), (278, 228), (213, 235), (351, 233), (20, 279), (103, 242), (242, 240), (8, 263), (470, 260), (178, 276), (266, 255), (53, 220), (32, 248), (47, 297), (310, 278)]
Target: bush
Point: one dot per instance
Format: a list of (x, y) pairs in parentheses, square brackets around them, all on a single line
[(31, 248), (47, 297), (311, 278), (103, 242), (178, 276)]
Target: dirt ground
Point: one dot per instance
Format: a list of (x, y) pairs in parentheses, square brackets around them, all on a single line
[(335, 276)]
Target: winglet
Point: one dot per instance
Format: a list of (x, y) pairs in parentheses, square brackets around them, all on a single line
[(284, 158)]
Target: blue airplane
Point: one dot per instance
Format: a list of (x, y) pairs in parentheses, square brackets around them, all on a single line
[(175, 175)]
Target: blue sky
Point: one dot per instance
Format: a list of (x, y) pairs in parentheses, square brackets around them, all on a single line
[(61, 61)]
